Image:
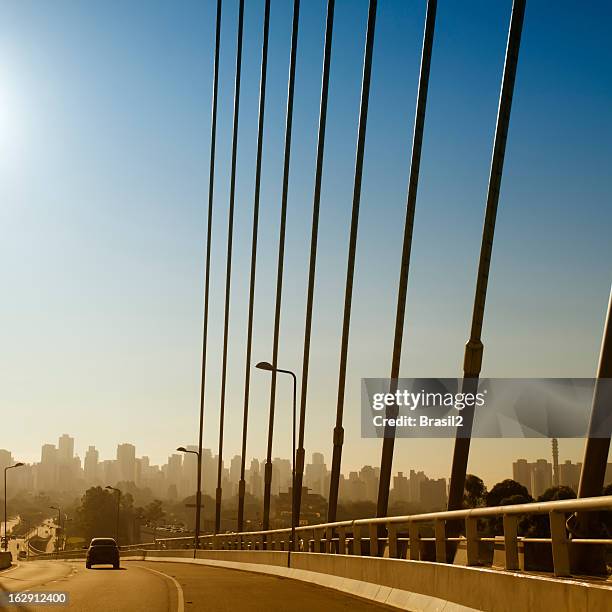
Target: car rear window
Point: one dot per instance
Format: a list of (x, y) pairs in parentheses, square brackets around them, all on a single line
[(103, 542)]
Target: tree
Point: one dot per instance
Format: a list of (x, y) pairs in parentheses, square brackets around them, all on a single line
[(501, 493), (475, 492), (555, 493), (505, 493), (97, 514), (153, 512)]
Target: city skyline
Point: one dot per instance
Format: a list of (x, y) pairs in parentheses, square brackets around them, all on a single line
[(125, 465)]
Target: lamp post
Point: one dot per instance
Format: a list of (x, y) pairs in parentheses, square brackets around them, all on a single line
[(8, 467), (182, 449), (118, 504), (59, 524), (264, 365)]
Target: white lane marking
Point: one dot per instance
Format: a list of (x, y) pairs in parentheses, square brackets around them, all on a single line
[(179, 589)]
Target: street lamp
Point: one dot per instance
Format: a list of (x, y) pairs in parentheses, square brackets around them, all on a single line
[(118, 505), (198, 503), (268, 367), (8, 467), (59, 525)]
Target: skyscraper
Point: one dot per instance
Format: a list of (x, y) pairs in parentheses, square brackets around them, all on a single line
[(521, 473), (90, 465), (65, 449), (126, 462), (47, 470)]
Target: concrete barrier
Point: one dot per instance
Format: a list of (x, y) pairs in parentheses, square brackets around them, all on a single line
[(412, 585), (405, 584), (6, 558)]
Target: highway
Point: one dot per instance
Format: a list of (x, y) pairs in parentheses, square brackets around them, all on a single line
[(163, 587)]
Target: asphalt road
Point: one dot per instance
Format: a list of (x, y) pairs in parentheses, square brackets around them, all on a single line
[(162, 587)]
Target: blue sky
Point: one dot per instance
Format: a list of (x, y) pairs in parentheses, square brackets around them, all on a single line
[(104, 152)]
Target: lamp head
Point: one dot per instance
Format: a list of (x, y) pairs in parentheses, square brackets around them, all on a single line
[(182, 449), (264, 365), (18, 464)]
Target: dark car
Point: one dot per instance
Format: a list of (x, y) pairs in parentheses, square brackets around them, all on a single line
[(102, 551)]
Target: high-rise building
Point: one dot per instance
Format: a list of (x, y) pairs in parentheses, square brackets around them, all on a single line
[(281, 475), (65, 449), (255, 479), (190, 471), (535, 477), (126, 462), (209, 472), (541, 477), (414, 486), (234, 473), (370, 477), (109, 471), (47, 469), (433, 494), (401, 488), (318, 459), (90, 466), (315, 475), (569, 474), (175, 471), (354, 488), (521, 473)]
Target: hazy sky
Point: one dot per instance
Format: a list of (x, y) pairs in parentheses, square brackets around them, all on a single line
[(104, 153)]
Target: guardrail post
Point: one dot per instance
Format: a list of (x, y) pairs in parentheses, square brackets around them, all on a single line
[(471, 534), (342, 540), (511, 556), (329, 540), (560, 547), (440, 531), (392, 534), (317, 540), (373, 529), (357, 540), (415, 541)]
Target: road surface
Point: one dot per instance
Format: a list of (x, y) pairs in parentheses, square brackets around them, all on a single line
[(176, 587)]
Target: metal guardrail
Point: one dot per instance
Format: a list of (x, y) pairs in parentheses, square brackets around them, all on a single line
[(384, 535)]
